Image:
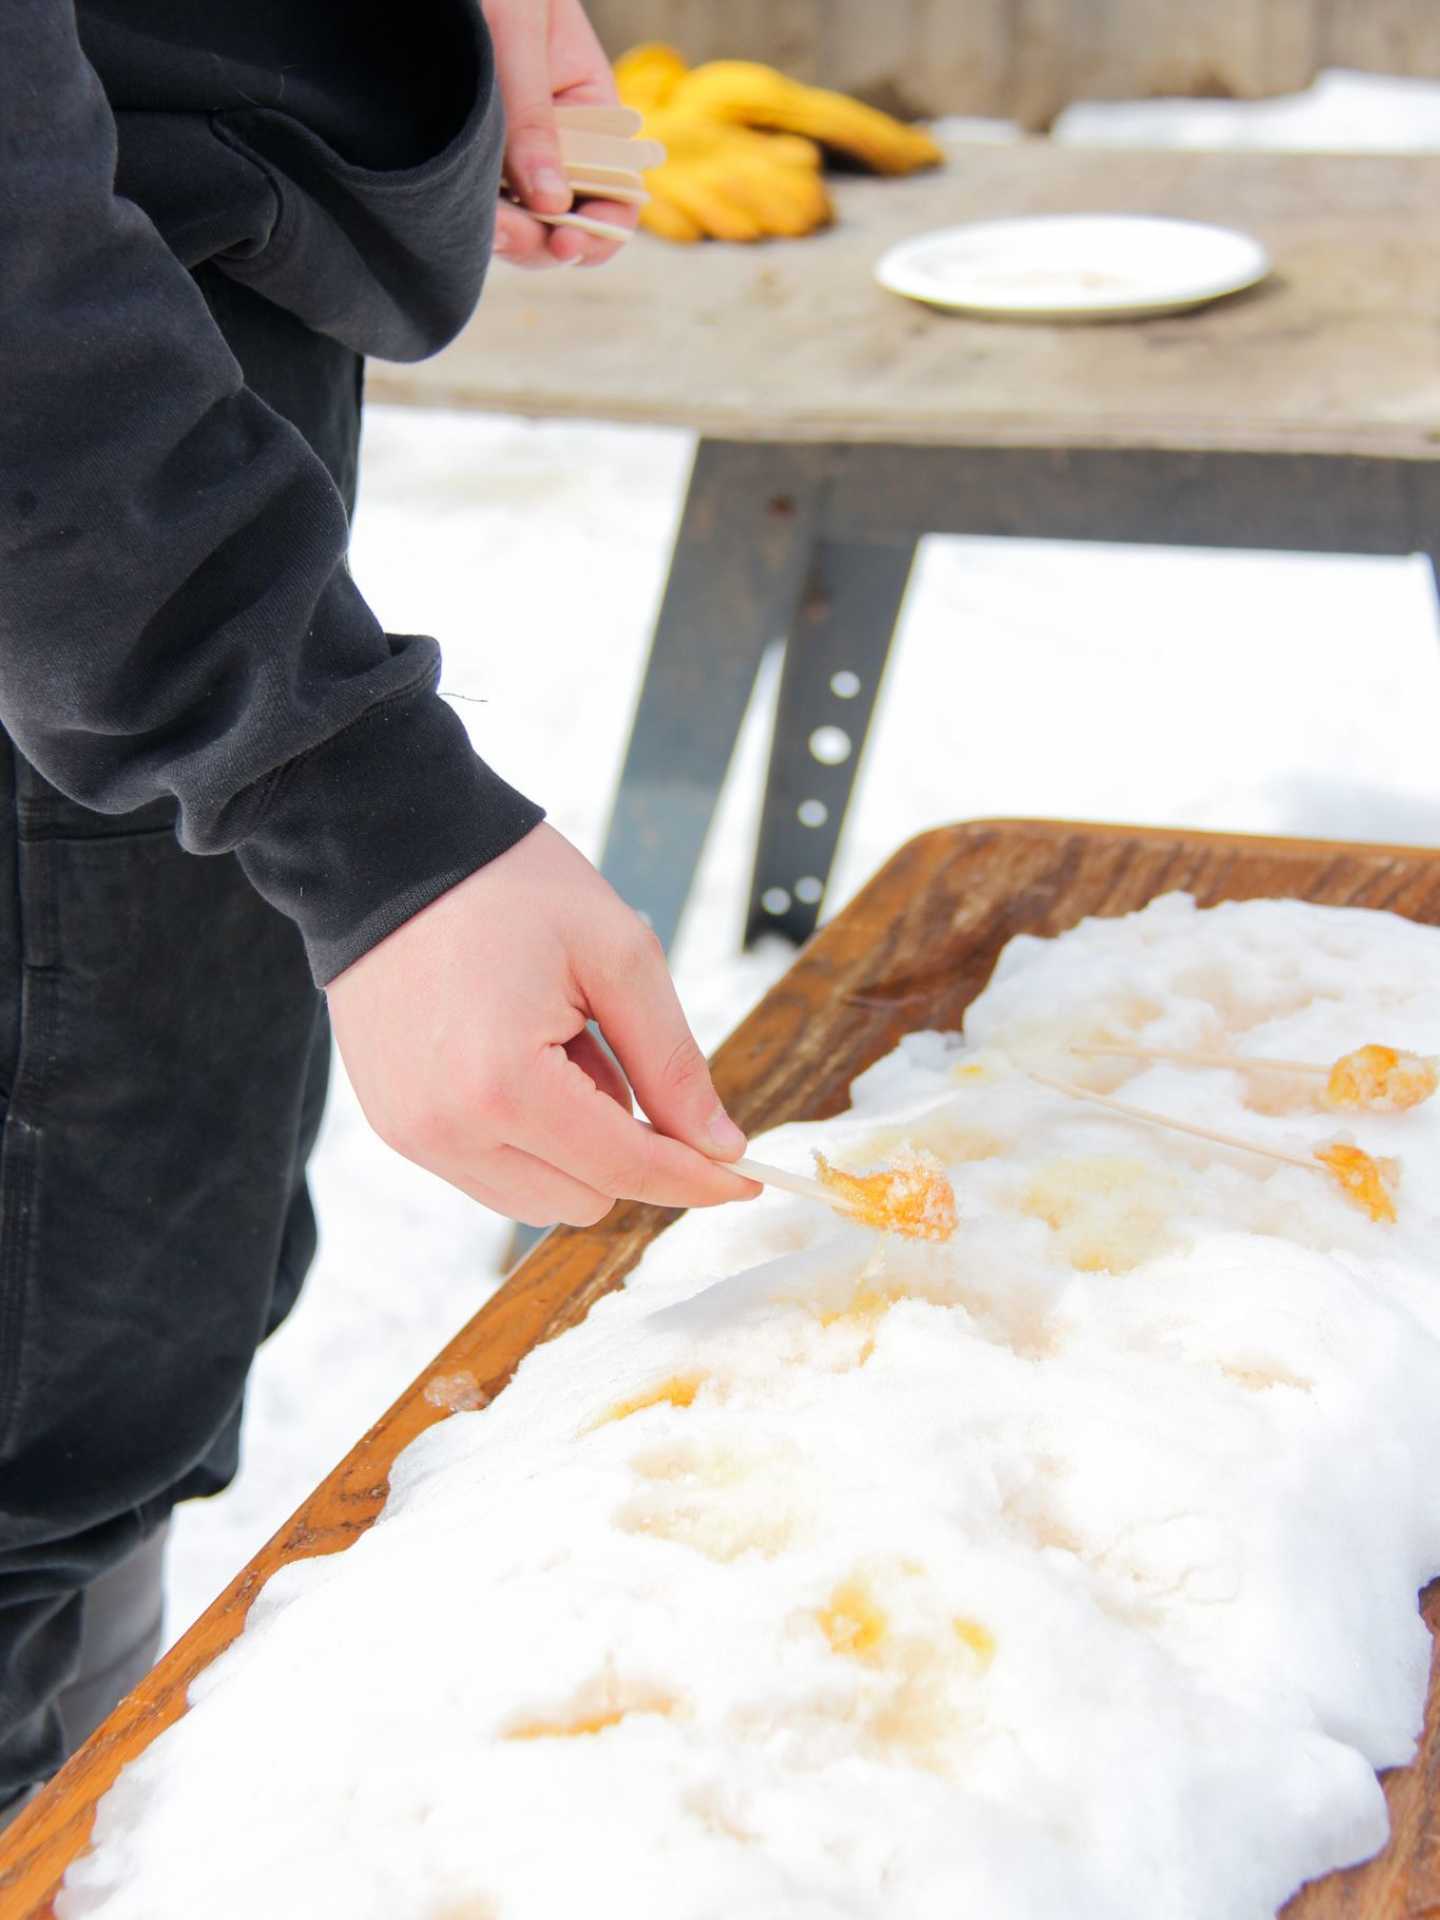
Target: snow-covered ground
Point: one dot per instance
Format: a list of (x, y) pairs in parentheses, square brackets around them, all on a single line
[(1255, 692)]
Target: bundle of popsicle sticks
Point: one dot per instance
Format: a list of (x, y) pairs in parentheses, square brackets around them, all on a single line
[(603, 160), (916, 1199)]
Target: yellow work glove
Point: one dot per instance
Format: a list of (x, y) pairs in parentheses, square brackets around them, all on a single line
[(744, 93), (727, 183), (647, 75)]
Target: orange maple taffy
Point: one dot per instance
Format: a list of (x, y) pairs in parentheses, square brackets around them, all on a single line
[(1381, 1079), (911, 1196), (1370, 1183)]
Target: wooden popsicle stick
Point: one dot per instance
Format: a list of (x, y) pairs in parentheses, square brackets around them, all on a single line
[(1163, 1120), (585, 174), (592, 170), (583, 223), (603, 150), (623, 121), (797, 1183), (622, 195), (1196, 1057)]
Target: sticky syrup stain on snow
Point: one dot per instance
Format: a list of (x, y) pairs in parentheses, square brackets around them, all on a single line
[(711, 1806), (1110, 1213), (606, 1702), (1034, 1511), (567, 1729), (975, 1636), (952, 1137), (686, 1464), (862, 1315), (920, 1689), (713, 1500), (1259, 1379), (678, 1391), (853, 1621)]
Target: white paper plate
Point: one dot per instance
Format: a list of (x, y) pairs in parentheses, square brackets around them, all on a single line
[(1077, 266)]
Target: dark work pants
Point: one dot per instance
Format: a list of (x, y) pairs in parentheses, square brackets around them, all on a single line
[(163, 1061)]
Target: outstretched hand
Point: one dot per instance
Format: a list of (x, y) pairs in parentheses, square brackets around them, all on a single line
[(546, 54), (465, 1036)]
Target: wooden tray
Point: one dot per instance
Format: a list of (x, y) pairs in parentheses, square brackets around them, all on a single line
[(912, 951)]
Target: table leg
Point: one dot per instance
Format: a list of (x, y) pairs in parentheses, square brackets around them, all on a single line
[(735, 582), (833, 666)]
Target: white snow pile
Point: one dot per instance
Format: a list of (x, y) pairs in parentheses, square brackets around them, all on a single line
[(1067, 1567)]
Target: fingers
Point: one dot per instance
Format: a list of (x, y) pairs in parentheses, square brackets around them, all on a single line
[(546, 52), (588, 79), (464, 1035), (593, 1058), (521, 240), (532, 147), (590, 249), (631, 995), (524, 242), (523, 1188), (570, 1124)]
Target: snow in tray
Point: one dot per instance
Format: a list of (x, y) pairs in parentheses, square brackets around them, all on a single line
[(1067, 1567), (1264, 693)]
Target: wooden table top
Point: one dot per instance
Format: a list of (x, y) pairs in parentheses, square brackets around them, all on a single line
[(1338, 352), (911, 951)]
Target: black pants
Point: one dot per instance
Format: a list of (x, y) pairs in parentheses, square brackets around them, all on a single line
[(163, 1061)]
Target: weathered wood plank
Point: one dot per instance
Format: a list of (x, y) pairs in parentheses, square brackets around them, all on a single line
[(913, 950), (1338, 352)]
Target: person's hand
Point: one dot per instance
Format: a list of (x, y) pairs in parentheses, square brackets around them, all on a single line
[(464, 1034), (546, 54)]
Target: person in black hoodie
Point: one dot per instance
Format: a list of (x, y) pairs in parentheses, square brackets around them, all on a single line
[(207, 216)]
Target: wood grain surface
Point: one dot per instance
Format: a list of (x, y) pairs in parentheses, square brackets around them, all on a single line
[(911, 951), (1336, 353)]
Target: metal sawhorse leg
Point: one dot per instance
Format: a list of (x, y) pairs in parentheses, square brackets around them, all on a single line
[(750, 567)]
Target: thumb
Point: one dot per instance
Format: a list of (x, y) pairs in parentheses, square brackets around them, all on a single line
[(532, 145), (641, 1017)]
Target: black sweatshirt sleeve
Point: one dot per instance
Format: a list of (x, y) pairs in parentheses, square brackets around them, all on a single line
[(176, 616)]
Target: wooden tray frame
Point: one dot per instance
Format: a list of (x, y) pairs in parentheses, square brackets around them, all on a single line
[(911, 951)]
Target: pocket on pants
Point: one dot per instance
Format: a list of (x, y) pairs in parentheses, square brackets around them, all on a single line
[(37, 825), (150, 1153)]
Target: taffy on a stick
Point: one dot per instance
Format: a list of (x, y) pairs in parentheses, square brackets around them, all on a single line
[(1374, 1078), (1369, 1182), (912, 1196)]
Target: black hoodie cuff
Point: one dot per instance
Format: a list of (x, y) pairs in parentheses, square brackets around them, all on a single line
[(368, 828)]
